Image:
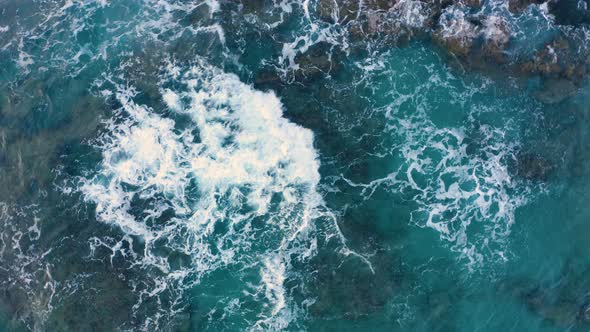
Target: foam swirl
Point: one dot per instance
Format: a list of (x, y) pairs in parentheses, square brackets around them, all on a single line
[(235, 186)]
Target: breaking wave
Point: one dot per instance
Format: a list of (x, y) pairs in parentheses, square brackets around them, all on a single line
[(223, 180)]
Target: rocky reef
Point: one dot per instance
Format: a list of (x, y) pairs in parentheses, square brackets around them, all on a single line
[(465, 30)]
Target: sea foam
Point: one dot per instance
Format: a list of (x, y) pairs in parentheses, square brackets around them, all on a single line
[(236, 160)]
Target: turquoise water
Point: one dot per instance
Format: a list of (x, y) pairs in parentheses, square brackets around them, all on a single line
[(294, 165)]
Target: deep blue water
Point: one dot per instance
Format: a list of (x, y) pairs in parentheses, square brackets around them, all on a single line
[(176, 165)]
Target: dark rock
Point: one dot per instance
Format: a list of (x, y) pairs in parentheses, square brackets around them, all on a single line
[(254, 6), (562, 303), (472, 3), (320, 59), (476, 40), (561, 66), (517, 6), (556, 90), (532, 166), (458, 38), (496, 38), (346, 287), (379, 4), (570, 12), (267, 79), (341, 11)]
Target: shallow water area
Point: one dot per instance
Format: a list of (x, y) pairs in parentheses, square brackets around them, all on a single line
[(294, 165)]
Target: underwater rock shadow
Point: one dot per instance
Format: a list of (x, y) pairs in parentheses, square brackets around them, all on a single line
[(563, 302)]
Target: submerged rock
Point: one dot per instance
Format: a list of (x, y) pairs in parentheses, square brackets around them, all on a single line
[(472, 3), (496, 39), (547, 61), (532, 166), (562, 67), (479, 39), (338, 11), (397, 20), (564, 303), (456, 33), (565, 12), (319, 60), (346, 287), (556, 90), (517, 6), (570, 12), (267, 79)]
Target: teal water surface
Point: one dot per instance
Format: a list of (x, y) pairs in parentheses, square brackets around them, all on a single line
[(176, 165)]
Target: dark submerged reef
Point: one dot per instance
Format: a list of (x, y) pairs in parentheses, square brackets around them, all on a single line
[(45, 135), (562, 302)]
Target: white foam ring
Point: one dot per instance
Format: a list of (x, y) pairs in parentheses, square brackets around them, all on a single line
[(237, 160), (466, 194), (454, 190)]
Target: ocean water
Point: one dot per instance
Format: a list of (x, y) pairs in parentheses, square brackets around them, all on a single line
[(297, 165)]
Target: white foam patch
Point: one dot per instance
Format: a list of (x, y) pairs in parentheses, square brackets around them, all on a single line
[(454, 177), (310, 31), (213, 6), (102, 3), (238, 159), (496, 29), (313, 34), (24, 59), (454, 25), (411, 13), (165, 18), (454, 190)]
